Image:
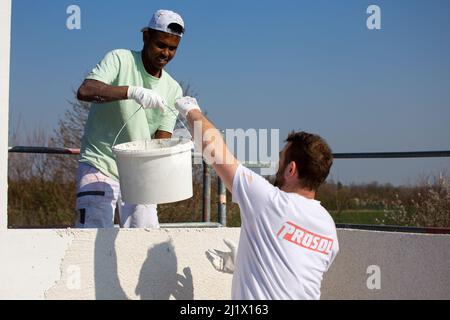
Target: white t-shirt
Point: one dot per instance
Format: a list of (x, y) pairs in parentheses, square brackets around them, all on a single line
[(287, 242)]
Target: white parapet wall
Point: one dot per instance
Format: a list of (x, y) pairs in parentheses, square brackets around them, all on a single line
[(172, 264)]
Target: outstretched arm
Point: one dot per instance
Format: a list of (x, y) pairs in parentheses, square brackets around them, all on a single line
[(209, 139)]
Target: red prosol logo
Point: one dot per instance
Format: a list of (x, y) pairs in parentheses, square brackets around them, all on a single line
[(304, 238)]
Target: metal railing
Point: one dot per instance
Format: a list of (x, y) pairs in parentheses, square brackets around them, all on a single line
[(222, 195)]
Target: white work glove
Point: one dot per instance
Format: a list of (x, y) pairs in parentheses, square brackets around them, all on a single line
[(147, 98), (223, 261), (186, 104)]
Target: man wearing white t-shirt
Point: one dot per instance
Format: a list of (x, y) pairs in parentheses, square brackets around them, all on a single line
[(288, 240)]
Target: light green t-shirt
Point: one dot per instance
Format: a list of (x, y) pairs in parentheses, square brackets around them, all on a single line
[(125, 68)]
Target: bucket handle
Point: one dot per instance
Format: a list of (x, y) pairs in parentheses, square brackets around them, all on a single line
[(140, 107), (123, 127)]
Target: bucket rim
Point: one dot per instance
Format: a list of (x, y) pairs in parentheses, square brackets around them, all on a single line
[(183, 146)]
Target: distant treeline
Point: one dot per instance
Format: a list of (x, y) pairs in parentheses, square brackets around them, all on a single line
[(49, 202)]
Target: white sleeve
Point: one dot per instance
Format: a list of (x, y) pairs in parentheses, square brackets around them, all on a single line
[(334, 253), (251, 191)]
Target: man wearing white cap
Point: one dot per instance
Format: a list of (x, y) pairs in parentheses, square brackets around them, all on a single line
[(117, 87)]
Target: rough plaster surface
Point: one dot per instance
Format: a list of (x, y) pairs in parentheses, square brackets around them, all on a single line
[(139, 264), (412, 266), (171, 264)]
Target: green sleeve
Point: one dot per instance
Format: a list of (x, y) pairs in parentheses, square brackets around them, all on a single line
[(107, 70), (169, 119)]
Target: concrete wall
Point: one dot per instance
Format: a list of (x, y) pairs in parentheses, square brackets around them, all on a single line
[(412, 266), (171, 264)]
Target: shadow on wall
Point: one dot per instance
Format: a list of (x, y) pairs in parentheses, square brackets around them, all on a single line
[(158, 278), (107, 284)]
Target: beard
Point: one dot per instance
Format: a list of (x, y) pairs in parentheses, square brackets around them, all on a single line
[(279, 178)]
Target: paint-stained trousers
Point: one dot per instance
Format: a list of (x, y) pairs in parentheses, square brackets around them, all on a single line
[(97, 198)]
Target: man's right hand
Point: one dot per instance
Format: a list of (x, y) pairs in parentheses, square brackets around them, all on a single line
[(147, 98)]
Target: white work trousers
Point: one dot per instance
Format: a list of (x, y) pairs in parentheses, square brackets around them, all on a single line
[(97, 198)]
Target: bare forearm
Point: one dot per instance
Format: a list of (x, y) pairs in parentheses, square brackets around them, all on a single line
[(214, 148), (99, 92), (211, 139)]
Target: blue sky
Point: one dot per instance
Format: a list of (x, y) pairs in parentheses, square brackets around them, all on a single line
[(310, 65)]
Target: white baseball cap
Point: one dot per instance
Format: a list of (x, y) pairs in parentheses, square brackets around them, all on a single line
[(161, 21)]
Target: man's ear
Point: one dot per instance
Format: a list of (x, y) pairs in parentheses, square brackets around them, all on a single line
[(145, 36), (291, 170)]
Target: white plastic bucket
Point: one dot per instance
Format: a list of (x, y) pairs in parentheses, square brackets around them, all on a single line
[(155, 171)]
